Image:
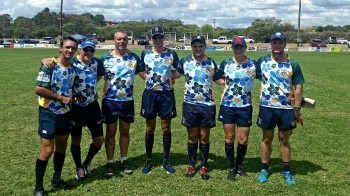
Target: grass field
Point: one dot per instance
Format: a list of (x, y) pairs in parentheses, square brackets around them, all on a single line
[(320, 150)]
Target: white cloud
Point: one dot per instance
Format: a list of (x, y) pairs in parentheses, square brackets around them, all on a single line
[(227, 13)]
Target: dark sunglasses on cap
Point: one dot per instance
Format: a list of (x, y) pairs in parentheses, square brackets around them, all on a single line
[(87, 49)]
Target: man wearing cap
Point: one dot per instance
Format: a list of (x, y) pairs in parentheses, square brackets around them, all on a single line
[(158, 98), (198, 109), (280, 102), (238, 73), (85, 110), (121, 65)]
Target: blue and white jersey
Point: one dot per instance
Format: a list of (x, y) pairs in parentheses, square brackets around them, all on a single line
[(85, 83), (199, 80), (278, 78), (239, 80), (158, 69), (59, 80), (119, 75)]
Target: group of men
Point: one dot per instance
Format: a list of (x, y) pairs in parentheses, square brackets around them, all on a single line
[(67, 89)]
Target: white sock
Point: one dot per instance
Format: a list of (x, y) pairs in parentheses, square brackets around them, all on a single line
[(122, 159), (110, 161)]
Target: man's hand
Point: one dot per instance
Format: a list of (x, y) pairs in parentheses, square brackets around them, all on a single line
[(48, 62)]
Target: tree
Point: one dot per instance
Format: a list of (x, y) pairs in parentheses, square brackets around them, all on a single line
[(100, 20)]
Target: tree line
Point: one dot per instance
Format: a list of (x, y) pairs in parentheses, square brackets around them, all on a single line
[(47, 23)]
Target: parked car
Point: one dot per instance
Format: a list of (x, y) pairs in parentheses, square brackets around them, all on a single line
[(181, 39), (7, 41), (317, 43), (143, 40), (48, 40), (331, 40), (342, 41), (29, 41)]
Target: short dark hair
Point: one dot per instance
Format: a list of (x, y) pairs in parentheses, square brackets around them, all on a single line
[(69, 38)]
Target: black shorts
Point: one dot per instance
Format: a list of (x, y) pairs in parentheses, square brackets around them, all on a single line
[(158, 103), (89, 116), (239, 116), (270, 117), (198, 116), (112, 110), (51, 124)]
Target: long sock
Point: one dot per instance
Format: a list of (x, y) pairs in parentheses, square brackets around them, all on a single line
[(286, 166), (166, 147), (241, 152), (75, 150), (204, 149), (58, 161), (230, 154), (40, 168), (93, 150), (192, 153), (149, 138)]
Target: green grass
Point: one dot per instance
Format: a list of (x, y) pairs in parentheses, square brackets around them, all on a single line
[(320, 156)]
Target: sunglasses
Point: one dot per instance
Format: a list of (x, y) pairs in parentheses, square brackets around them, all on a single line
[(157, 37), (89, 50)]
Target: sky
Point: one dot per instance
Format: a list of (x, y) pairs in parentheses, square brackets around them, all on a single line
[(218, 13)]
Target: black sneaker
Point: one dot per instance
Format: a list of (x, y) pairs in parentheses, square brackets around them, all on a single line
[(191, 171), (231, 174), (124, 167), (40, 192), (204, 173), (168, 168), (80, 174), (62, 185), (87, 169), (109, 172), (241, 172), (148, 167)]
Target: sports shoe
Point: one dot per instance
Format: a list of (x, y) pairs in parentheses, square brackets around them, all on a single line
[(62, 185), (289, 178), (40, 192), (168, 168), (263, 176), (204, 173), (80, 174), (109, 171), (124, 167), (191, 171), (232, 174), (240, 171), (148, 167), (87, 169)]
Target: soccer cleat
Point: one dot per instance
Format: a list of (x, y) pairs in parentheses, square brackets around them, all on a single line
[(148, 167), (40, 192), (62, 185), (240, 171), (168, 168), (289, 178), (80, 174), (231, 174), (204, 173), (263, 176), (191, 171), (109, 171), (87, 169), (124, 167)]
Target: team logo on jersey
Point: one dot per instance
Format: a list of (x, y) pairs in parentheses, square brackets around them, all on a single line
[(43, 77)]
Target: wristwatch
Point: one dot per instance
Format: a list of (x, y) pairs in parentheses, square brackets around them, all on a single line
[(297, 109)]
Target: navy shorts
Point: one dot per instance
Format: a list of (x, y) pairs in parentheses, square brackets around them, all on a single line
[(198, 116), (240, 116), (270, 117), (51, 124), (112, 110), (89, 116), (158, 103)]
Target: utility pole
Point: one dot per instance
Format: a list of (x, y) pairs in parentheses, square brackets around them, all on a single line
[(214, 20), (298, 35), (61, 18)]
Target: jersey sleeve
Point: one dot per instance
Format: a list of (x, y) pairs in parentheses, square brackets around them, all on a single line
[(140, 66), (219, 73), (176, 59), (180, 67), (297, 77), (100, 67), (258, 68), (44, 77)]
